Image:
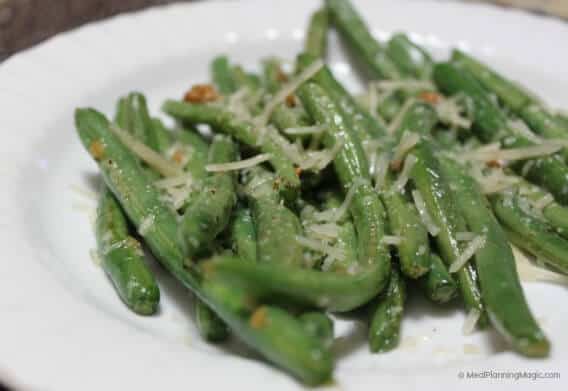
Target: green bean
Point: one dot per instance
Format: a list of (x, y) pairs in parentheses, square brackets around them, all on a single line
[(122, 173), (309, 360), (273, 332), (124, 118), (350, 162), (545, 124), (419, 118), (210, 326), (491, 124), (272, 75), (326, 290), (316, 37), (438, 285), (209, 212), (501, 289), (319, 325), (390, 106), (140, 124), (441, 207), (404, 222), (346, 239), (244, 79), (554, 213), (509, 92), (283, 117), (516, 97), (277, 226), (222, 75), (411, 59), (352, 27), (530, 233), (282, 283), (275, 326), (198, 152), (386, 316), (549, 172), (562, 119), (123, 258), (243, 235), (123, 114), (244, 131), (489, 120), (362, 123), (164, 137)]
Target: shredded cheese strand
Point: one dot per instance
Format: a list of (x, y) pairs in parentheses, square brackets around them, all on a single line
[(146, 224), (328, 231), (304, 130), (395, 123), (521, 128), (148, 155), (427, 220), (407, 142), (289, 89), (391, 240), (474, 246), (402, 179), (381, 169), (180, 180), (239, 165), (543, 202), (470, 321), (528, 272), (320, 246), (544, 149)]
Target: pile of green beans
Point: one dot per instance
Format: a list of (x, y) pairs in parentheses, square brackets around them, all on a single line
[(276, 211)]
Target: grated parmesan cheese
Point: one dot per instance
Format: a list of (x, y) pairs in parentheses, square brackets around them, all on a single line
[(528, 272), (334, 215), (321, 246), (544, 149), (391, 240), (319, 160), (287, 90), (325, 231), (470, 321), (474, 246), (303, 130), (239, 165), (395, 123), (327, 263), (427, 220), (407, 142), (450, 113), (85, 193), (543, 202), (404, 175), (496, 182), (95, 258), (520, 127), (180, 180), (146, 224), (381, 169), (148, 155)]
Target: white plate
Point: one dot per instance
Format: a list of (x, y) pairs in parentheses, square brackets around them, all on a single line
[(63, 327)]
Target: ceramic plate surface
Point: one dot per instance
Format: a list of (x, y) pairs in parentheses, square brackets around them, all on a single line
[(62, 325)]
